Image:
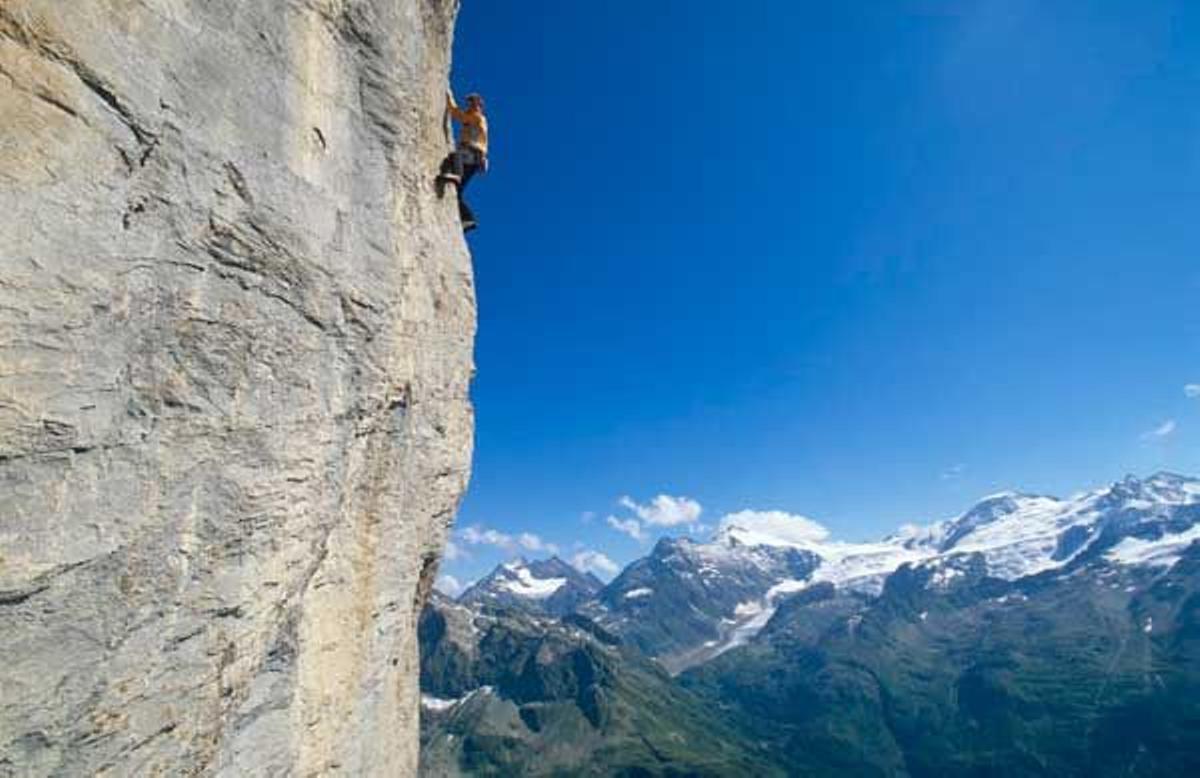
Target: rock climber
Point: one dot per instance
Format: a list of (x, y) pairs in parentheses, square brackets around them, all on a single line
[(470, 155)]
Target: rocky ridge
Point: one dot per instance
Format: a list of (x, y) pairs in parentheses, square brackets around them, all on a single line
[(508, 692)]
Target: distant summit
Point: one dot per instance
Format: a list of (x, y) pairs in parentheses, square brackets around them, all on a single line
[(550, 586)]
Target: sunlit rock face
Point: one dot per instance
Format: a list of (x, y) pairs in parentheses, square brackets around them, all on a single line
[(236, 328)]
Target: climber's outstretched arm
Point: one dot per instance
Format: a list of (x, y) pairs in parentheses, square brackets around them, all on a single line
[(453, 108)]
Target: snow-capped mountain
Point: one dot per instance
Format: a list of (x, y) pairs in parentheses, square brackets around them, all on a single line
[(685, 595), (1090, 668), (688, 601), (1132, 522), (549, 586)]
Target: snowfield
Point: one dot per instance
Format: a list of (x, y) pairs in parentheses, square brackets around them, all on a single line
[(523, 583), (439, 705), (1163, 552)]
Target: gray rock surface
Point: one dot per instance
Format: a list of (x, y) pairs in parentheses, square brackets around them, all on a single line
[(236, 329)]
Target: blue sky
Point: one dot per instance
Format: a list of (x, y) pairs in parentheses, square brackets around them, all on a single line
[(864, 262)]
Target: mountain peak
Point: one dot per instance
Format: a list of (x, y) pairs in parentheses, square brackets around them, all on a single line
[(1162, 487), (543, 585), (984, 512), (1167, 475)]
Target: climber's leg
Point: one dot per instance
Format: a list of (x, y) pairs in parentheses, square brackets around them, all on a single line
[(466, 215), (452, 168), (469, 165), (467, 173)]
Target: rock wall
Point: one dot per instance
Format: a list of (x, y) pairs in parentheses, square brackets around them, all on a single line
[(236, 329)]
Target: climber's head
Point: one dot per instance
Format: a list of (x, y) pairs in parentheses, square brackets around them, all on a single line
[(475, 102)]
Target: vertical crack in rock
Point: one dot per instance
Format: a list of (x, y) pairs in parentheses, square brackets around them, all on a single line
[(236, 333)]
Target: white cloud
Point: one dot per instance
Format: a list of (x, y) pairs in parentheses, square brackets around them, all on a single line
[(1161, 432), (665, 510), (531, 542), (1192, 390), (476, 535), (448, 585), (595, 562), (453, 551), (772, 528), (630, 527)]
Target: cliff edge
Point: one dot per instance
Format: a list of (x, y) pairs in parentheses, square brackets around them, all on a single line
[(236, 330)]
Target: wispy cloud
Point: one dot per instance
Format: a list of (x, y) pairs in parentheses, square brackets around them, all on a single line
[(631, 527), (953, 472), (1161, 432), (1192, 390), (454, 551), (665, 510), (595, 562), (531, 542), (448, 585), (475, 535)]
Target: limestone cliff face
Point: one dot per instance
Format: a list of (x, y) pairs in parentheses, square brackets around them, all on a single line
[(236, 328)]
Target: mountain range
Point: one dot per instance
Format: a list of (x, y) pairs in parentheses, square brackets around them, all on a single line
[(1029, 636)]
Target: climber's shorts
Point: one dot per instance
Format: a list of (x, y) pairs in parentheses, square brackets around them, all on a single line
[(469, 156)]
